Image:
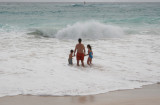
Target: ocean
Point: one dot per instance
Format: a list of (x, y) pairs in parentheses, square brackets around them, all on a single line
[(36, 39)]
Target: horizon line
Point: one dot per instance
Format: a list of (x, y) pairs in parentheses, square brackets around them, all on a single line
[(77, 2)]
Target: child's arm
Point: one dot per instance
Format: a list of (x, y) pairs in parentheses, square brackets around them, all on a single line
[(86, 54)]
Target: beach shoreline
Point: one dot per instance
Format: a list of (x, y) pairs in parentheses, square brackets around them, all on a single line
[(147, 95)]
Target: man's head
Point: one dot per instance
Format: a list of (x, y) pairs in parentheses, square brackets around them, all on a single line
[(79, 40)]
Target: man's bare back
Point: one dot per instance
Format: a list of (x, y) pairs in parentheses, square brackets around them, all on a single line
[(80, 48)]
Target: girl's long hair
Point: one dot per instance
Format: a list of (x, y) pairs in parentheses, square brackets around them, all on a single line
[(89, 46)]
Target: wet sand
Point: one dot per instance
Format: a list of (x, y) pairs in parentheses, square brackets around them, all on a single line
[(148, 95)]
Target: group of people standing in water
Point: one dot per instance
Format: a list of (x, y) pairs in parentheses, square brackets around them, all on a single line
[(81, 52)]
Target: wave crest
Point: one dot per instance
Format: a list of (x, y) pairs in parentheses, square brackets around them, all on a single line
[(89, 30), (86, 30)]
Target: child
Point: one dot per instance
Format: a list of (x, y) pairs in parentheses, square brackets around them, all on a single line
[(90, 53), (70, 57)]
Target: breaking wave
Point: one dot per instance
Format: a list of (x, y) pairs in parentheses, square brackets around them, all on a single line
[(86, 30)]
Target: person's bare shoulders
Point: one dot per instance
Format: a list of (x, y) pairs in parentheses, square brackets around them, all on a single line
[(81, 45), (76, 45)]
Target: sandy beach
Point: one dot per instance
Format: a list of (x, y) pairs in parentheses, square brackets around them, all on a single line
[(147, 95)]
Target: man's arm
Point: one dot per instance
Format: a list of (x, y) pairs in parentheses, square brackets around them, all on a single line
[(84, 49), (75, 50)]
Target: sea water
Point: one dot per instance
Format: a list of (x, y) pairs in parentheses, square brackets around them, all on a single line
[(36, 39)]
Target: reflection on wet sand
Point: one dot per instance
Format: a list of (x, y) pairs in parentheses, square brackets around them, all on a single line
[(83, 99)]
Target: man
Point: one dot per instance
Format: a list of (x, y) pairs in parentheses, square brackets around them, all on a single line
[(80, 52)]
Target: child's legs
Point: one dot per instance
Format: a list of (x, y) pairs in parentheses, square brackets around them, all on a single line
[(70, 61), (88, 61)]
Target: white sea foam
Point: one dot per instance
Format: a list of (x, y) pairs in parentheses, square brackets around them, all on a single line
[(39, 66), (89, 30), (85, 30)]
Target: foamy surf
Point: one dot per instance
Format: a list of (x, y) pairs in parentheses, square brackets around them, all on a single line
[(38, 66), (89, 30), (85, 30)]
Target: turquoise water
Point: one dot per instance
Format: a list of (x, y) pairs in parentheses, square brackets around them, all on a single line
[(138, 17)]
